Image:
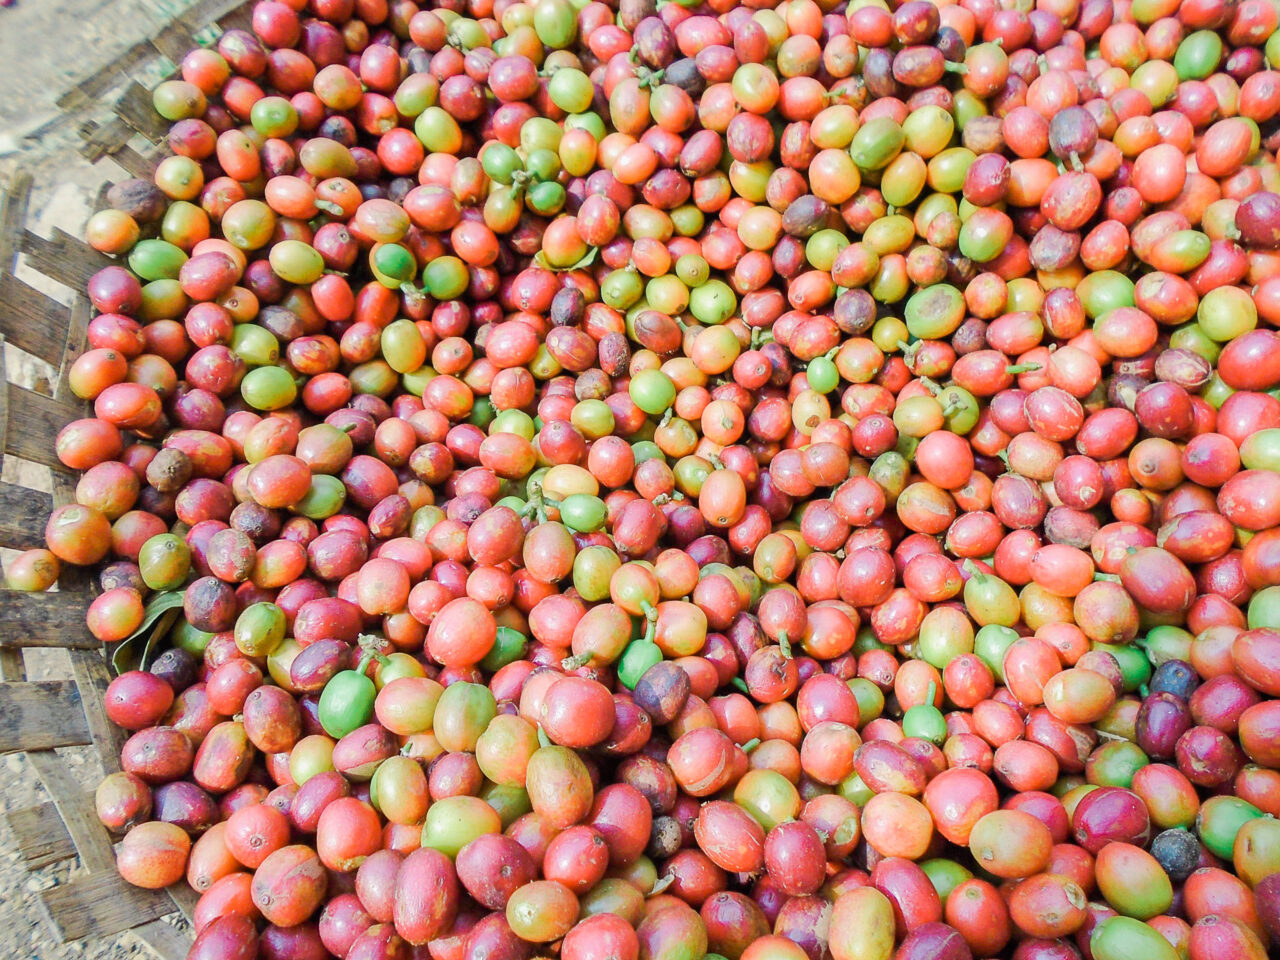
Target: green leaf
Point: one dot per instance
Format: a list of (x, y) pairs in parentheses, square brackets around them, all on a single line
[(587, 260), (161, 613), (540, 258)]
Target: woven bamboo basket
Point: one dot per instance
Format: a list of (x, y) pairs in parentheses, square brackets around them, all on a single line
[(122, 136)]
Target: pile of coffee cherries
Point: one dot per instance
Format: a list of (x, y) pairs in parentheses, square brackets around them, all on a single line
[(620, 480)]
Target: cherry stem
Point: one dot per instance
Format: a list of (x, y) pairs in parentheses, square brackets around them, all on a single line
[(367, 643), (651, 631), (537, 505)]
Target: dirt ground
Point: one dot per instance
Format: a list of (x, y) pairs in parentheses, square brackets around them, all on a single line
[(45, 45)]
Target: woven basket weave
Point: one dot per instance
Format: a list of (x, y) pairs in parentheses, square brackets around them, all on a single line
[(38, 716)]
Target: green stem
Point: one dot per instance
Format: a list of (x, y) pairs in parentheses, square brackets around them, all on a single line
[(537, 505), (367, 644), (412, 294)]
